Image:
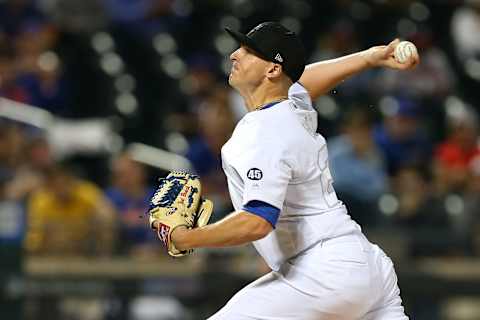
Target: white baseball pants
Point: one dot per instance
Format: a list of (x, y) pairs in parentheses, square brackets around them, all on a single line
[(345, 278)]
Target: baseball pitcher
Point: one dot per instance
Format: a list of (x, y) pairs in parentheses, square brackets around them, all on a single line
[(280, 184)]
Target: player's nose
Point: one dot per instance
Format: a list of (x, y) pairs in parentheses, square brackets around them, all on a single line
[(234, 55)]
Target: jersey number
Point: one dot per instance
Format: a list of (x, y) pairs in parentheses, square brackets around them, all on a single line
[(254, 174), (327, 182)]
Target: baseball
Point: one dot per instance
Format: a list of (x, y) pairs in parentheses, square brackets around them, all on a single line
[(404, 51)]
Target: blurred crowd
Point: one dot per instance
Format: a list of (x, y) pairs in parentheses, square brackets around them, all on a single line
[(404, 146)]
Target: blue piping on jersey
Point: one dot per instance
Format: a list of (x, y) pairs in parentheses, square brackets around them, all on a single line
[(264, 210), (269, 105)]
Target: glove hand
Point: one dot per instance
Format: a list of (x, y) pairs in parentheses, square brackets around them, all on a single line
[(177, 235)]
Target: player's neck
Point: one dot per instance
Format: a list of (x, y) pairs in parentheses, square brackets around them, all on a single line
[(261, 96)]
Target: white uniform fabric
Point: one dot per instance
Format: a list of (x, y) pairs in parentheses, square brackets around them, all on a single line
[(322, 264)]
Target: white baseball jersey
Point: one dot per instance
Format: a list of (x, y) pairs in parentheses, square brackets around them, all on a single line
[(276, 156), (322, 264)]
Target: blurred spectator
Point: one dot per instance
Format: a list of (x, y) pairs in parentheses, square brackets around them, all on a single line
[(465, 28), (9, 87), (12, 223), (128, 11), (201, 78), (400, 137), (142, 17), (454, 155), (215, 127), (29, 174), (39, 68), (356, 162), (199, 83), (417, 208), (465, 39), (12, 230), (421, 213), (12, 142), (68, 216), (12, 216), (39, 153), (46, 86), (130, 194), (472, 203), (215, 122), (75, 16), (341, 39), (33, 38), (24, 154), (16, 161), (13, 14), (12, 227)]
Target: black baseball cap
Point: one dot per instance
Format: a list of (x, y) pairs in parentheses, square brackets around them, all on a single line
[(273, 42)]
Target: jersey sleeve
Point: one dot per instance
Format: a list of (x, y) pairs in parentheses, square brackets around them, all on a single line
[(299, 94), (264, 210), (265, 173)]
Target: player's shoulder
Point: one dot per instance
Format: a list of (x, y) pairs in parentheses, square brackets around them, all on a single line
[(300, 96), (274, 120), (275, 128), (296, 89)]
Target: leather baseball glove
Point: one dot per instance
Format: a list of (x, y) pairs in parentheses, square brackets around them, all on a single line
[(178, 202)]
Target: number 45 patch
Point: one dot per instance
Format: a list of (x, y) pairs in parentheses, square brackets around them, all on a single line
[(254, 174)]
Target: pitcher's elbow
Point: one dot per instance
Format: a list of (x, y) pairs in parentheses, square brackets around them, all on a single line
[(262, 229)]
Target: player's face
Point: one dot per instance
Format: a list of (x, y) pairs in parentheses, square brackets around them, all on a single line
[(248, 70)]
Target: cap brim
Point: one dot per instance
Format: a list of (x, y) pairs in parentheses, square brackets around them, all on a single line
[(246, 41), (239, 37)]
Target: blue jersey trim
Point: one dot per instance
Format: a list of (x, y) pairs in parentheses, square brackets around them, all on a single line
[(264, 210), (269, 105)]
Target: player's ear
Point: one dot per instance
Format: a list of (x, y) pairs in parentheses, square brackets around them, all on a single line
[(274, 70)]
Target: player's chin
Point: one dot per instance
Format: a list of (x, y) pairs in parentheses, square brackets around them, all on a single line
[(231, 80)]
